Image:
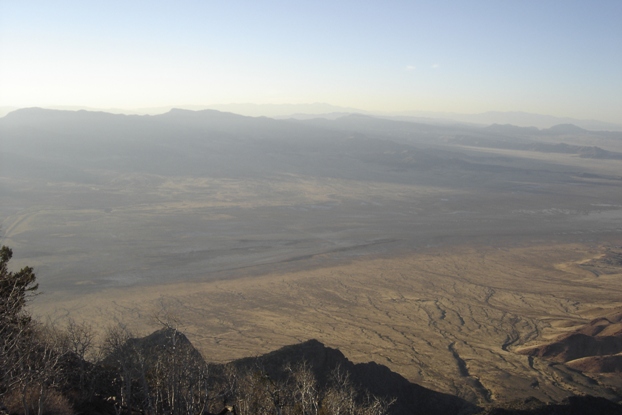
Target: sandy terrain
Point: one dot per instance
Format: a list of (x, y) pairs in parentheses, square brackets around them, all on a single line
[(448, 319)]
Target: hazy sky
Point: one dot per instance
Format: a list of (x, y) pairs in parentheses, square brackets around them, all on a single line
[(557, 57)]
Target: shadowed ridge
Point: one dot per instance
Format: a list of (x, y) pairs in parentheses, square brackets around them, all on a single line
[(576, 346), (371, 377), (377, 379), (599, 338), (155, 344), (573, 405), (598, 364), (165, 339), (595, 347)]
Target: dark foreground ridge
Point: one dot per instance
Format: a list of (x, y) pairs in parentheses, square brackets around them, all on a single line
[(574, 405), (377, 379), (411, 398), (279, 373), (163, 373)]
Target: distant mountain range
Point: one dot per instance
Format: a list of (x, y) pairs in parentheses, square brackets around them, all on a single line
[(321, 110), (218, 143), (521, 119)]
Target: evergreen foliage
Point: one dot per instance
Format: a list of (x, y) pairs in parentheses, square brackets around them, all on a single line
[(15, 323), (15, 288)]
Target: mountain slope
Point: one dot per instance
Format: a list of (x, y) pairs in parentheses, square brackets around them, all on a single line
[(377, 379), (595, 347)]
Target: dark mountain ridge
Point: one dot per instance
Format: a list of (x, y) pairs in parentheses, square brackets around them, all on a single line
[(137, 356), (372, 377), (407, 397)]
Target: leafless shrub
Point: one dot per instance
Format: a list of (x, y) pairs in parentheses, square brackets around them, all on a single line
[(54, 402)]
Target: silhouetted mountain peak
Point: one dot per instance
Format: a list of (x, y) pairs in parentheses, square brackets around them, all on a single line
[(164, 336), (375, 378), (154, 345)]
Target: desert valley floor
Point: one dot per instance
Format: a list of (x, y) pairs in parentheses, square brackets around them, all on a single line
[(449, 319), (454, 254)]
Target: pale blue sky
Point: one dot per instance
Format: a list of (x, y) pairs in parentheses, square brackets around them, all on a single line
[(560, 58)]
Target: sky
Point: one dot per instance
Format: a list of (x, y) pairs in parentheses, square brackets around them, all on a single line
[(554, 57)]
